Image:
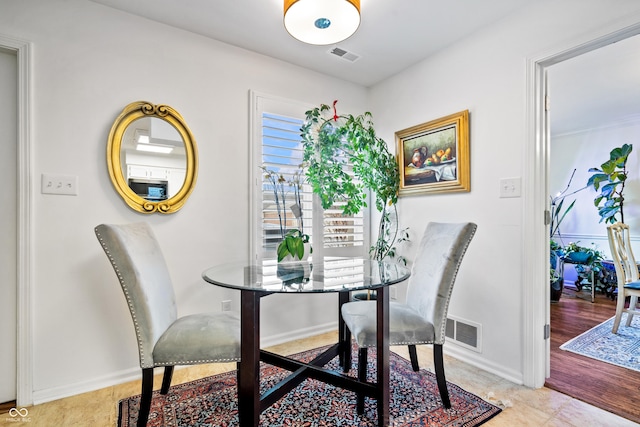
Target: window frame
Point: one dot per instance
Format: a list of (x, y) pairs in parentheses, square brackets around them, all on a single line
[(259, 103)]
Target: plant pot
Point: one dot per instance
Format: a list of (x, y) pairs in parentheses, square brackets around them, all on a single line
[(365, 296), (294, 273), (556, 289), (579, 257)]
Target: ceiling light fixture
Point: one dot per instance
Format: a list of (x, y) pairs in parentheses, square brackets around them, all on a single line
[(164, 149), (321, 22)]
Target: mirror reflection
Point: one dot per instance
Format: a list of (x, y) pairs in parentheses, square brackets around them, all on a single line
[(153, 159)]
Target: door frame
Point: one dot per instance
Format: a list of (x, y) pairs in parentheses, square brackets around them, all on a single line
[(24, 344), (535, 296)]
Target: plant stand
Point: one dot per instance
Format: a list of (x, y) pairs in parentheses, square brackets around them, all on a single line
[(580, 285)]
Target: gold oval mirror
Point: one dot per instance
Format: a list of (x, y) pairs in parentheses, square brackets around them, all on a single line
[(152, 158)]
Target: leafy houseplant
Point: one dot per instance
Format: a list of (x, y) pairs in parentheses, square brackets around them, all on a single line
[(556, 271), (558, 214), (293, 244), (610, 181), (345, 157), (587, 259), (293, 241)]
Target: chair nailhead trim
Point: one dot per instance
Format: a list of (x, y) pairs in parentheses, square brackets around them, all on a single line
[(128, 298)]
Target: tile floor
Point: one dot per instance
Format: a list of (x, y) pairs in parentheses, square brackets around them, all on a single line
[(528, 407)]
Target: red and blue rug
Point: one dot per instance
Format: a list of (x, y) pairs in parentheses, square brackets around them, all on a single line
[(212, 401)]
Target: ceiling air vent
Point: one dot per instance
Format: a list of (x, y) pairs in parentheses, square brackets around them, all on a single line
[(347, 56)]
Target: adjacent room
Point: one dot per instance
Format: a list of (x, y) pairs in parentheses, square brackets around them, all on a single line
[(167, 162), (594, 110)]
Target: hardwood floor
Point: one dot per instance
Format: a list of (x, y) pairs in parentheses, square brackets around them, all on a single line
[(600, 384)]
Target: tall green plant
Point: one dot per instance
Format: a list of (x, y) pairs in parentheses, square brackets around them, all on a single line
[(344, 157), (610, 181)]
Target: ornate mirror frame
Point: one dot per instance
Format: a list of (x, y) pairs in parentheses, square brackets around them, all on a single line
[(131, 113)]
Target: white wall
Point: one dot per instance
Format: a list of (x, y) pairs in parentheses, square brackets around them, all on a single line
[(89, 62), (581, 151), (486, 74)]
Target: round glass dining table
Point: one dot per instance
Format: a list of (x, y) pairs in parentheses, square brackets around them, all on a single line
[(340, 275), (334, 274)]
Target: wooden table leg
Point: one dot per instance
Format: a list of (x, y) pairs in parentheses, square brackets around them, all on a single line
[(382, 354), (344, 334), (249, 365)]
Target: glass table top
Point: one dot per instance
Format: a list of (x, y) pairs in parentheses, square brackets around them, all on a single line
[(328, 274)]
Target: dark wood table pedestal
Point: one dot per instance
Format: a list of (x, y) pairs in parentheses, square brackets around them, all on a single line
[(251, 402)]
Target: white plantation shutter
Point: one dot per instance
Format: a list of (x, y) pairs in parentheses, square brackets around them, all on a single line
[(282, 153), (342, 230), (276, 145)]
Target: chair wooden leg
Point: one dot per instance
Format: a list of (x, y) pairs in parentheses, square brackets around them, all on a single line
[(362, 376), (166, 379), (619, 309), (145, 400), (632, 307), (442, 381), (413, 355)]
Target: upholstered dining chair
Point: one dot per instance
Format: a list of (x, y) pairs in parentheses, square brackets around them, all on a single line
[(422, 319), (626, 272), (164, 340)]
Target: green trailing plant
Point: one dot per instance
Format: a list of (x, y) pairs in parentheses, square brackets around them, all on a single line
[(345, 157), (390, 236), (587, 259), (592, 254), (610, 180)]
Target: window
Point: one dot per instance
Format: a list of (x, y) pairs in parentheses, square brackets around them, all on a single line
[(282, 154), (276, 145)]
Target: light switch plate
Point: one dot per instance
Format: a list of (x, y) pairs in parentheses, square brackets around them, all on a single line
[(510, 187), (59, 184)]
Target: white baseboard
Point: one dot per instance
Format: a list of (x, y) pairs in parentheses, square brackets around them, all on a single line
[(298, 334), (55, 393), (132, 374), (472, 359)]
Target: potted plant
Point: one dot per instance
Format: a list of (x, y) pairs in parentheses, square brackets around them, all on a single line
[(556, 271), (345, 157), (609, 180), (587, 259), (294, 244), (558, 214)]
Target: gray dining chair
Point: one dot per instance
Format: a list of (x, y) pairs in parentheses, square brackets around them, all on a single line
[(422, 319), (164, 340)]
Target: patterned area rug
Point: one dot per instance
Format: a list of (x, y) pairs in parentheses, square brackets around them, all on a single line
[(600, 343), (415, 401)]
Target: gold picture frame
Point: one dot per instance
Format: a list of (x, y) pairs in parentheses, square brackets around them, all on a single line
[(433, 157)]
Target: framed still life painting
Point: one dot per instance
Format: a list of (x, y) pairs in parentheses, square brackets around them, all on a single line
[(433, 157)]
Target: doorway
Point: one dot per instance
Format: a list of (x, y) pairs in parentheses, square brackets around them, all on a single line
[(8, 224), (20, 51), (536, 313), (593, 108)]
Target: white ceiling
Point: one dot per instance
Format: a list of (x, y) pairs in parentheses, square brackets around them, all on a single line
[(393, 34), (597, 87)]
